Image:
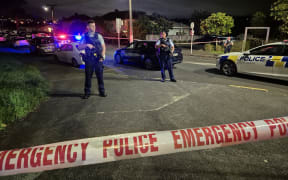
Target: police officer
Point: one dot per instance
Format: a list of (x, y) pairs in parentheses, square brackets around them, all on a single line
[(95, 50), (228, 45), (165, 48)]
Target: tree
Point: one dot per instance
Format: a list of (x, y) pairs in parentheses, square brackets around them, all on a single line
[(217, 24), (279, 11), (197, 16), (258, 19), (141, 27), (150, 25), (162, 24)]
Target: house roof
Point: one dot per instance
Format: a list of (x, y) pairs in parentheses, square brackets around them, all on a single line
[(178, 25)]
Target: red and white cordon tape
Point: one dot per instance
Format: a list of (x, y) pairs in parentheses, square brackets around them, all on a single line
[(136, 145), (195, 43)]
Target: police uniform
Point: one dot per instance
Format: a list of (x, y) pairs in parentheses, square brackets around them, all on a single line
[(164, 56), (92, 63), (228, 45)]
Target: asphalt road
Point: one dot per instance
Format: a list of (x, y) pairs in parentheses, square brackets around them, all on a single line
[(137, 101)]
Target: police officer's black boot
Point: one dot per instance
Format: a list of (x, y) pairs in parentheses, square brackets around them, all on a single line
[(103, 94), (86, 96)]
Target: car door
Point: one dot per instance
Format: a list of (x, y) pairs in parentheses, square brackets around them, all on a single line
[(62, 53), (131, 53), (139, 51), (260, 60), (126, 52), (76, 54), (68, 53), (280, 66)]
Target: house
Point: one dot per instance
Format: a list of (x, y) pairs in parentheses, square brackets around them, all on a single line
[(179, 29)]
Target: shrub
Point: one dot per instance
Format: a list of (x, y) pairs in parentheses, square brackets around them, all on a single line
[(209, 47)]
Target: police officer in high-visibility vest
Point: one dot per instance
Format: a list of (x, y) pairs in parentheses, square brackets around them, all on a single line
[(95, 50), (165, 49)]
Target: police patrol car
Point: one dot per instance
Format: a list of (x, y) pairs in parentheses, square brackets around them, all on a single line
[(270, 59)]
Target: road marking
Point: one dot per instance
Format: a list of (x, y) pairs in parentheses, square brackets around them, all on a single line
[(157, 78), (174, 100), (200, 63), (252, 88)]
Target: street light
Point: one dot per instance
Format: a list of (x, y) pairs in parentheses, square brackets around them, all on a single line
[(45, 8), (130, 21), (52, 7)]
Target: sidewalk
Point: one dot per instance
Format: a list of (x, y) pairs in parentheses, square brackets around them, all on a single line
[(199, 53)]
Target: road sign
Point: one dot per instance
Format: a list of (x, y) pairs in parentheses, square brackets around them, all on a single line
[(119, 23), (192, 25)]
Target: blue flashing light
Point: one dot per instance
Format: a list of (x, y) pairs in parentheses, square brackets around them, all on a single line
[(15, 50), (78, 37), (82, 66)]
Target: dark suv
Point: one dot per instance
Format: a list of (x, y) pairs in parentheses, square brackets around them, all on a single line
[(144, 53)]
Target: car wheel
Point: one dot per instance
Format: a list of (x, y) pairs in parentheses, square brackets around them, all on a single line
[(74, 63), (228, 68), (118, 59), (148, 64)]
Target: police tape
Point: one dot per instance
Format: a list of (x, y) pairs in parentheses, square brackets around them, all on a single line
[(136, 145), (195, 43), (115, 38)]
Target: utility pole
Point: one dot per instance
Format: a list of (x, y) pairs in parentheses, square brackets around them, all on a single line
[(130, 21)]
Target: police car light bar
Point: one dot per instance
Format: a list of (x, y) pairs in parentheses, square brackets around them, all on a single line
[(78, 37), (62, 36)]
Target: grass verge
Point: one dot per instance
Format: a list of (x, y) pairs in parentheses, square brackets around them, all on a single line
[(22, 89)]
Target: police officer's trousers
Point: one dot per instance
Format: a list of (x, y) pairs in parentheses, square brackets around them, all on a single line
[(90, 68), (227, 49), (166, 61)]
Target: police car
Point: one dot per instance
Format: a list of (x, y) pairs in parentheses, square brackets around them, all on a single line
[(69, 53), (270, 59)]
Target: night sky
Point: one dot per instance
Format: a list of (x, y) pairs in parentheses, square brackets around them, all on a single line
[(169, 8)]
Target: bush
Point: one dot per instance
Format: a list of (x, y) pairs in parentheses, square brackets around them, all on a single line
[(250, 43), (237, 46), (209, 47), (220, 48), (22, 90)]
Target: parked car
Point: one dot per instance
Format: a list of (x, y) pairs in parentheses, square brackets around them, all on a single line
[(270, 59), (144, 53), (69, 53), (2, 38), (20, 42), (29, 35), (43, 45), (17, 45)]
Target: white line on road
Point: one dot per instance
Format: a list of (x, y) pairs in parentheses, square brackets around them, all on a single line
[(251, 88), (174, 100), (200, 63)]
